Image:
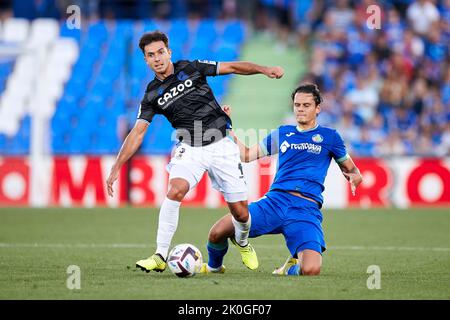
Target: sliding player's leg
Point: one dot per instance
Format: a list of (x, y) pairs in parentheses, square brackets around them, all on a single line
[(264, 221), (304, 238), (308, 263), (217, 245)]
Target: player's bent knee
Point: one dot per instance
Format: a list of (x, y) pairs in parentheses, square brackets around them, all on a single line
[(213, 236), (177, 192), (216, 236), (310, 270)]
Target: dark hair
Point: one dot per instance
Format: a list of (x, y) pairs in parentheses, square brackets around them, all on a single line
[(309, 88), (153, 36)]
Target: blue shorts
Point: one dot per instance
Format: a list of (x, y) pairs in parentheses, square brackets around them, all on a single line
[(298, 219)]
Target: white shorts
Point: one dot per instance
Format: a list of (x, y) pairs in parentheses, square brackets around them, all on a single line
[(220, 159)]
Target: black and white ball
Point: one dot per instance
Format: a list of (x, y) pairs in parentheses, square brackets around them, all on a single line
[(185, 260)]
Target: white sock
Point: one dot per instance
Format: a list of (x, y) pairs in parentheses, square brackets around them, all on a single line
[(168, 222), (241, 230)]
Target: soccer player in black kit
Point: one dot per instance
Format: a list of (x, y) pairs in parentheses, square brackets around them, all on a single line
[(181, 93)]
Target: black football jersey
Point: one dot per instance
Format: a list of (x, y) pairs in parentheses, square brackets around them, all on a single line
[(187, 101)]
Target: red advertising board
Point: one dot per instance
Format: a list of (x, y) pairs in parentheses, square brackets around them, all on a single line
[(80, 181)]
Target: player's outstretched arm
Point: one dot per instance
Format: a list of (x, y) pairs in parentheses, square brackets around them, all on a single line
[(249, 68), (247, 154), (129, 147), (351, 173)]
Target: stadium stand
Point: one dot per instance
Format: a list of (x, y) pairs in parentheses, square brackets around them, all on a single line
[(387, 90), (103, 85)]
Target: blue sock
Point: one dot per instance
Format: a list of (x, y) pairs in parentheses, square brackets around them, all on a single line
[(294, 270), (216, 252)]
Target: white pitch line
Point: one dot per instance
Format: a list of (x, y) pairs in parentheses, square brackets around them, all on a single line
[(141, 245)]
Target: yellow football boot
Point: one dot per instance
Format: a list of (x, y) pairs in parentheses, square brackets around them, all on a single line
[(204, 269), (290, 267), (248, 255), (155, 262)]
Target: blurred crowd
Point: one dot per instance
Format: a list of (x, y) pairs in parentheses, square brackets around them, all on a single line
[(128, 9), (387, 90)]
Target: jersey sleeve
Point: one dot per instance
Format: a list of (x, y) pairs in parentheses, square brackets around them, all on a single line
[(269, 145), (146, 111), (338, 149), (206, 68)]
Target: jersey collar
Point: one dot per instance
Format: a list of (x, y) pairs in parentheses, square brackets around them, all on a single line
[(307, 130)]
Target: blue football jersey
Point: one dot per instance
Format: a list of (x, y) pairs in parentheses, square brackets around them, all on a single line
[(304, 157)]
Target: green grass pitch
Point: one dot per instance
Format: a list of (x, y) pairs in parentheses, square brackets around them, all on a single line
[(411, 248)]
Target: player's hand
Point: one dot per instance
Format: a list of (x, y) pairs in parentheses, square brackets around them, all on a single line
[(274, 72), (113, 175), (227, 110), (354, 179)]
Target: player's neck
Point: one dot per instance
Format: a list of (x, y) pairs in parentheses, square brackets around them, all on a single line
[(165, 74), (306, 126)]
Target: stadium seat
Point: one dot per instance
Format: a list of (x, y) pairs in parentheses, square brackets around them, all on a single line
[(24, 65), (206, 32), (225, 54), (9, 125), (75, 87), (150, 25), (178, 50), (97, 32), (79, 141), (202, 53), (42, 32), (138, 67), (2, 143), (60, 143), (234, 32), (158, 138), (123, 31), (65, 32), (179, 31), (15, 30), (17, 88), (12, 104), (64, 50)]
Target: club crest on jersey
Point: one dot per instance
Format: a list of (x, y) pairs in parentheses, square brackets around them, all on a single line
[(284, 146), (182, 76), (317, 138)]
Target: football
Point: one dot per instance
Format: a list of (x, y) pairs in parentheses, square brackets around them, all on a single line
[(185, 260)]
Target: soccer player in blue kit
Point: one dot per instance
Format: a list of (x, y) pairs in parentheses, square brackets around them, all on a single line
[(292, 205)]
